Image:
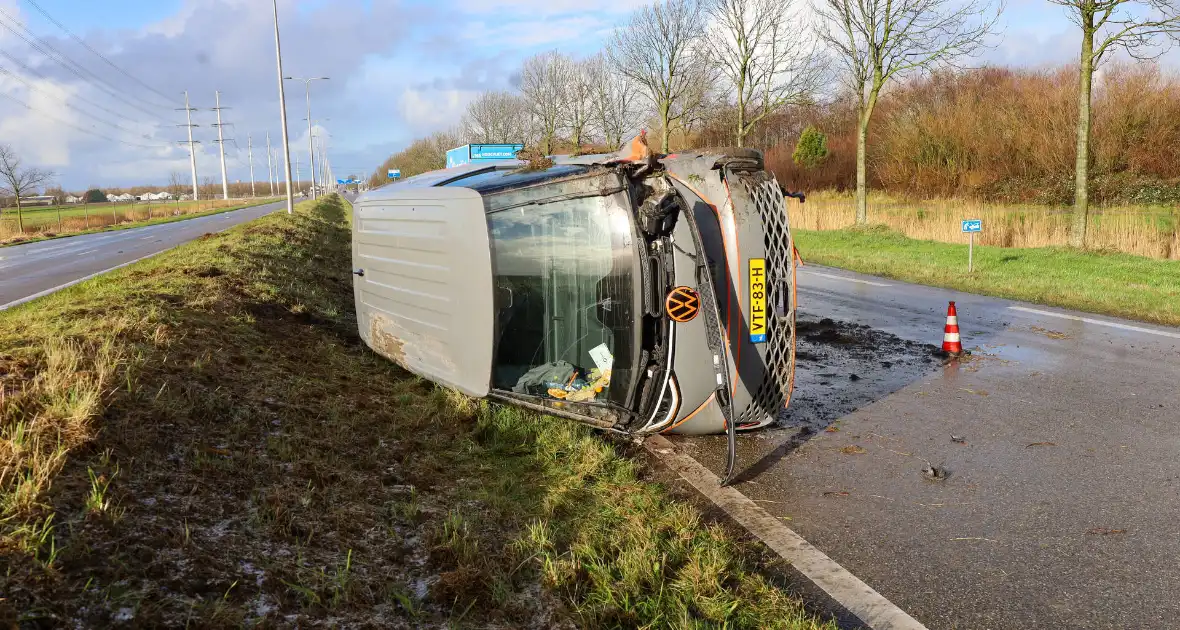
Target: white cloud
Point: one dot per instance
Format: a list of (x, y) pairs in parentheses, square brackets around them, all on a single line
[(548, 7), (570, 33), (432, 110), (34, 133)]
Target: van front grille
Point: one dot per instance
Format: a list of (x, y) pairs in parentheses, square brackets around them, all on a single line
[(775, 391)]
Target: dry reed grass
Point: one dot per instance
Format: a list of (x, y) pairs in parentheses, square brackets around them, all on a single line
[(1139, 230), (44, 224)]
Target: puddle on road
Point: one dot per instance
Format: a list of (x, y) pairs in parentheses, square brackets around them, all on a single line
[(841, 367)]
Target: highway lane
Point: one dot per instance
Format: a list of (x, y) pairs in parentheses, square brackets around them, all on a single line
[(33, 268), (1061, 507)]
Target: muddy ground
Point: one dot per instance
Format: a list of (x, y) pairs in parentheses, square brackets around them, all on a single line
[(842, 366), (839, 368)]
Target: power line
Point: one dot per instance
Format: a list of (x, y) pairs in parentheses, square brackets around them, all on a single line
[(33, 72), (73, 126), (77, 70), (32, 87), (98, 54)]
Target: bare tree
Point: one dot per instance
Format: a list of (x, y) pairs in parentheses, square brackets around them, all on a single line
[(615, 97), (496, 117), (1135, 26), (656, 49), (19, 180), (881, 40), (543, 82), (579, 101), (702, 101), (764, 56), (176, 183)]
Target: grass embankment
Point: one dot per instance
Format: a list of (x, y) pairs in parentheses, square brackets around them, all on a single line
[(202, 439), (1114, 284), (1152, 231), (42, 223)]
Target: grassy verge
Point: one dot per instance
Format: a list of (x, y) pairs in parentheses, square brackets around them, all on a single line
[(202, 439), (1114, 284), (32, 237), (1143, 230)]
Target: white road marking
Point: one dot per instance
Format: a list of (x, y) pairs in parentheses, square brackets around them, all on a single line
[(849, 591), (835, 277), (29, 298), (1076, 318)]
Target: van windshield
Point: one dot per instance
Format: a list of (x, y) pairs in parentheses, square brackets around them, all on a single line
[(565, 273)]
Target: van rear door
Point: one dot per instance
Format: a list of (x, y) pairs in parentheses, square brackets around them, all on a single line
[(423, 282)]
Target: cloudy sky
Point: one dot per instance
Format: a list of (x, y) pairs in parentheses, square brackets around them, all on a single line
[(98, 104)]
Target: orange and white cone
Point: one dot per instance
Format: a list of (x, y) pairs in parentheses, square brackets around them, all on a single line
[(950, 338)]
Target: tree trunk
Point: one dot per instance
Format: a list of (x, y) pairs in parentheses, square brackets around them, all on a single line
[(1081, 194), (862, 184), (20, 219), (59, 219), (665, 107), (864, 115), (740, 137)]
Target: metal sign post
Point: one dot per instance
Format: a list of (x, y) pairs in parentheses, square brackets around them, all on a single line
[(970, 227)]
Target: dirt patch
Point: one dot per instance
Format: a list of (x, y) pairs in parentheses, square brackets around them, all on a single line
[(842, 366)]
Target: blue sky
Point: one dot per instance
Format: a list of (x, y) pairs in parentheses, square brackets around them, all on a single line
[(399, 69)]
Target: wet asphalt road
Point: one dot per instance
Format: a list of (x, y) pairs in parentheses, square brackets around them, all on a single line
[(1061, 509), (32, 268)]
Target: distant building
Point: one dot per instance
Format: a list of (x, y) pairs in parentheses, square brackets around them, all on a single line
[(157, 196), (37, 200), (73, 199)]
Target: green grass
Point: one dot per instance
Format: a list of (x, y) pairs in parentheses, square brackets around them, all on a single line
[(47, 215), (1123, 285), (32, 237), (201, 439)]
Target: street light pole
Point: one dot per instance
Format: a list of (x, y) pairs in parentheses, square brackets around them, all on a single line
[(283, 111), (310, 146)]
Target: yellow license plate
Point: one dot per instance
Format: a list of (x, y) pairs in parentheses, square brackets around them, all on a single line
[(757, 300)]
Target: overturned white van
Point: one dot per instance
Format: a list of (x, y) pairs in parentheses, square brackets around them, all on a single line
[(636, 293)]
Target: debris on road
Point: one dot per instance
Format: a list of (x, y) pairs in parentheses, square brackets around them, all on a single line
[(958, 439), (842, 366), (854, 450), (935, 473), (1052, 334), (1037, 444), (840, 493)]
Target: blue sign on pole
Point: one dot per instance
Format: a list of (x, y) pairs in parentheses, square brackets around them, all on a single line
[(972, 225), (395, 173)]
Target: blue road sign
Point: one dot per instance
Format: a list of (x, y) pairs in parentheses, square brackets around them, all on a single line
[(972, 225), (395, 173), (469, 153)]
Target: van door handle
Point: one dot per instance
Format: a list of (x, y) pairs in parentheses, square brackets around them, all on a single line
[(358, 272)]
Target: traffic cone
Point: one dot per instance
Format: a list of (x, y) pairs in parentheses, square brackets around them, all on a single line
[(950, 338)]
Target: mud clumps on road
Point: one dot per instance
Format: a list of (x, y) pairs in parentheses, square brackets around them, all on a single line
[(842, 366)]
